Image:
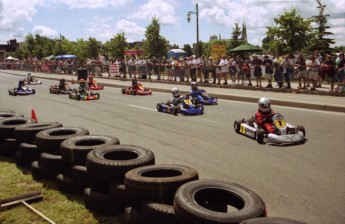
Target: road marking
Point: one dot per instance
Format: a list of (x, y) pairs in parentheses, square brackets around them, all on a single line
[(208, 120), (145, 108)]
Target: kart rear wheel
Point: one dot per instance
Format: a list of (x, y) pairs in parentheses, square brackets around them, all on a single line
[(300, 128), (237, 126), (260, 136), (159, 108), (70, 96), (33, 91), (123, 91)]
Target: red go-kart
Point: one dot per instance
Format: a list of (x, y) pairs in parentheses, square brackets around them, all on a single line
[(93, 84), (136, 90)]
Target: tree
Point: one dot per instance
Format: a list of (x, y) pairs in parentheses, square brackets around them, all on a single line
[(235, 40), (175, 46), (291, 34), (155, 45), (94, 47), (187, 48), (319, 40), (116, 46)]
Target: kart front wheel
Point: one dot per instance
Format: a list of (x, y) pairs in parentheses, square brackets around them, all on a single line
[(237, 126), (159, 107), (123, 91), (300, 128), (260, 136), (33, 91)]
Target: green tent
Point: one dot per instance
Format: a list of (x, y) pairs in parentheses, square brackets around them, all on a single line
[(246, 48), (49, 57)]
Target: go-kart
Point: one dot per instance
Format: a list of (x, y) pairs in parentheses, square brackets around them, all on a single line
[(32, 81), (84, 95), (285, 132), (24, 90), (139, 90), (202, 97), (55, 89), (94, 86), (186, 107)]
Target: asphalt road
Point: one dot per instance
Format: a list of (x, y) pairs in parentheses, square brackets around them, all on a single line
[(303, 182)]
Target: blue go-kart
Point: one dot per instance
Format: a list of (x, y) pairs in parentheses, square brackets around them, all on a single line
[(202, 97), (24, 90), (186, 107)]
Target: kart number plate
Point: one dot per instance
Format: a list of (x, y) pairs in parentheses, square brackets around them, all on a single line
[(188, 101), (242, 129), (279, 123)]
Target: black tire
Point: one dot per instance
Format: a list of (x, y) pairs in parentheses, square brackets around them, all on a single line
[(123, 91), (300, 128), (110, 163), (190, 197), (27, 133), (49, 140), (8, 125), (118, 192), (22, 161), (70, 96), (260, 136), (159, 107), (237, 126), (29, 150), (9, 147), (67, 184), (40, 173), (33, 91), (82, 177), (159, 213), (271, 220), (55, 163), (8, 114), (158, 182), (75, 149), (101, 202), (132, 215)]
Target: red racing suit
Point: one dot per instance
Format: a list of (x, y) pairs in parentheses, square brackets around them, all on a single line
[(267, 126)]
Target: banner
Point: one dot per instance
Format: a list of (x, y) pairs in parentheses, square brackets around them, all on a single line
[(218, 50), (114, 70)]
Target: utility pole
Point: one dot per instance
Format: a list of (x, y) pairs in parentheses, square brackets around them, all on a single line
[(196, 12)]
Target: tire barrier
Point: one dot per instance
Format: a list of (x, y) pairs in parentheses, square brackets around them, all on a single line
[(123, 179)]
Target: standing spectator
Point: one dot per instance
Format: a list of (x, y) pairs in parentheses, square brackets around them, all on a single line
[(212, 69), (302, 71), (233, 71), (131, 64), (320, 76), (340, 69), (204, 69), (246, 72), (186, 68), (218, 69), (239, 62), (313, 66), (163, 63), (328, 68), (288, 69), (155, 67), (268, 63), (193, 69), (224, 63), (278, 72), (256, 63)]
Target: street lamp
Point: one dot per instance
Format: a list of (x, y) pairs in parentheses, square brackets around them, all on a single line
[(197, 26)]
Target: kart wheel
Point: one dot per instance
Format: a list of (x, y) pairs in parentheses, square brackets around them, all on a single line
[(14, 93), (33, 91), (260, 136), (123, 91), (237, 126), (78, 97), (70, 96), (159, 108), (300, 128), (134, 93)]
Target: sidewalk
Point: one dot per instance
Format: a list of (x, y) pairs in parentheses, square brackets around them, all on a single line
[(320, 99)]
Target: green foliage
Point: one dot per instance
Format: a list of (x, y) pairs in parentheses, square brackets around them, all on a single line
[(235, 40), (187, 48), (319, 40), (155, 45), (116, 46), (175, 46), (290, 35)]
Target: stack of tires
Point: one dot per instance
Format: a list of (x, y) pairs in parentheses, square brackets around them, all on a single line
[(118, 179)]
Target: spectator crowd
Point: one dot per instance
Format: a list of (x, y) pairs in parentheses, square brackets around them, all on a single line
[(309, 71)]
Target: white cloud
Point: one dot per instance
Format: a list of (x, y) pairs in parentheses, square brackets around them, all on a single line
[(129, 28), (93, 4), (164, 11), (45, 31)]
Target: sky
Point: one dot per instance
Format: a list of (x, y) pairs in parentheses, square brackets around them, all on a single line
[(103, 19)]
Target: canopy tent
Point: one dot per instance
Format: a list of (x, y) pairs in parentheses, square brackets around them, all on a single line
[(66, 56), (49, 57), (246, 48), (176, 53), (10, 58)]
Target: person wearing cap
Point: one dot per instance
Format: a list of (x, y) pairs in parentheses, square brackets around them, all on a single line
[(256, 63), (328, 68), (268, 63)]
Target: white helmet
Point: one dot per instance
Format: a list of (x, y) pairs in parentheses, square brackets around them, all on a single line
[(264, 105), (175, 92)]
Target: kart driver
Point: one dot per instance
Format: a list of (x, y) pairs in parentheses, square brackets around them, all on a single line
[(63, 85), (194, 89), (264, 115), (135, 84), (176, 99), (82, 86), (21, 84), (92, 82)]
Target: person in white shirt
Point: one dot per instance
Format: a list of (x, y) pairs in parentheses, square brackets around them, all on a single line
[(224, 63)]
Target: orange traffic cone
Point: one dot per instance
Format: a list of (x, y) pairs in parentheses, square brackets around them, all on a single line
[(33, 116)]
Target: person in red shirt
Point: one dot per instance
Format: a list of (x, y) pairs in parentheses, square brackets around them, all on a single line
[(264, 115)]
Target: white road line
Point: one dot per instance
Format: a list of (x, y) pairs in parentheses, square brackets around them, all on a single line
[(145, 108), (208, 120)]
